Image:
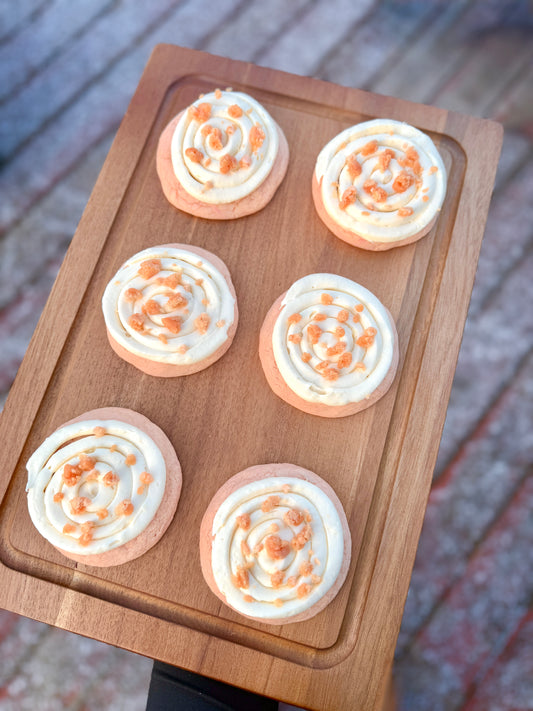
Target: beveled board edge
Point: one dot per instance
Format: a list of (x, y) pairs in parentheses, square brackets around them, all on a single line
[(383, 552)]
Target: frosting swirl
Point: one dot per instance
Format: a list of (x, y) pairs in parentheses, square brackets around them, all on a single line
[(333, 341), (169, 305), (95, 485), (224, 147), (278, 547), (383, 180)]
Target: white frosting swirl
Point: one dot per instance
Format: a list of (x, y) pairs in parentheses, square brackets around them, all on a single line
[(333, 341), (306, 569), (94, 498), (179, 314), (224, 147), (385, 191)]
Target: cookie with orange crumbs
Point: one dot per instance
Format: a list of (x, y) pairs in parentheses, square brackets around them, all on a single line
[(171, 310), (379, 184), (223, 157), (328, 346), (104, 487), (275, 545)]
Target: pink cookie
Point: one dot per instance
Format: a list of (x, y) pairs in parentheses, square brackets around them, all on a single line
[(328, 346), (171, 310), (104, 487), (285, 532), (222, 158), (379, 184)]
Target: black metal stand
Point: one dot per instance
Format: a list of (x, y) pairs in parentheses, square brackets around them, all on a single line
[(174, 689)]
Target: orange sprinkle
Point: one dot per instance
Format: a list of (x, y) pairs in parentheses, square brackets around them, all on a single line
[(326, 299), (425, 198), (314, 332), (303, 590), (218, 94), (182, 349), (206, 130), (176, 301), (306, 357), (366, 339), (402, 182), (205, 302), (277, 548), (411, 160), (405, 212), (276, 579), (330, 374), (199, 113), (201, 323), (78, 504), (86, 463), (215, 139), (379, 194), (162, 338), (348, 198), (384, 158), (194, 155), (151, 307), (258, 548), (149, 268), (286, 488), (131, 459), (274, 528), (102, 513), (315, 579), (293, 517), (257, 136), (301, 538), (172, 323), (344, 361), (353, 165), (370, 147), (365, 213), (125, 508), (337, 349), (292, 582), (243, 521), (245, 162), (245, 548), (306, 568), (359, 308), (294, 318), (228, 163), (369, 185), (320, 317), (146, 478), (99, 431), (69, 528), (340, 332), (221, 323), (360, 366), (136, 321), (110, 479), (248, 598), (58, 497), (132, 294), (71, 474), (241, 579), (433, 169), (270, 503), (172, 280), (342, 316), (113, 448), (322, 365), (295, 337), (278, 602), (93, 475), (235, 111)]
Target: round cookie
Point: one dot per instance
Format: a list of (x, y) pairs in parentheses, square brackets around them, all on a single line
[(328, 346), (104, 487), (379, 184), (222, 158), (171, 310), (285, 532)]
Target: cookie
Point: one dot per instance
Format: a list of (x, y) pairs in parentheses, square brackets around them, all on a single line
[(104, 487), (275, 544), (171, 310), (328, 346), (223, 157), (379, 184)]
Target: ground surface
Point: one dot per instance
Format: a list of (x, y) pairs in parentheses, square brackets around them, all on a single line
[(68, 72)]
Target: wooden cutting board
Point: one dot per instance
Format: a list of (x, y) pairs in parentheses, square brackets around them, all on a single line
[(226, 418)]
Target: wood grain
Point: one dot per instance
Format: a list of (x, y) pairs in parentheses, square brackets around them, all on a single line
[(225, 418)]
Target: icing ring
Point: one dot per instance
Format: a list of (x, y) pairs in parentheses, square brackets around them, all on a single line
[(328, 346), (103, 488), (171, 310), (379, 184), (275, 544), (223, 157)]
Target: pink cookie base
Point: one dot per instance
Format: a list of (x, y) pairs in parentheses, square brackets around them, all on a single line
[(165, 513), (351, 237), (282, 390), (180, 198), (254, 473), (168, 370)]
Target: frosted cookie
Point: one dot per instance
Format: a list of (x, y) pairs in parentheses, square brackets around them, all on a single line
[(328, 346), (104, 487), (275, 544), (171, 310), (223, 157), (379, 184)]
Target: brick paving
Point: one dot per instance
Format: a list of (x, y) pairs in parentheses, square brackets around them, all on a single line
[(68, 72)]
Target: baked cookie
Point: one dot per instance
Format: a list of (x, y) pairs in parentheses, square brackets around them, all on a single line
[(328, 346), (104, 487), (275, 544), (223, 157), (379, 184), (171, 310)]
